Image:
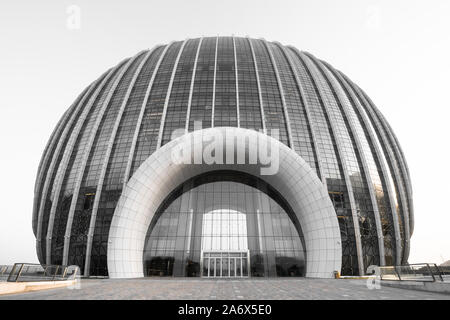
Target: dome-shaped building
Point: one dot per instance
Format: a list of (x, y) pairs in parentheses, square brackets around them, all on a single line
[(110, 198)]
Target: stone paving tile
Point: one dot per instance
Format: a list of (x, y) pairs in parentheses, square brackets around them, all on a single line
[(207, 289)]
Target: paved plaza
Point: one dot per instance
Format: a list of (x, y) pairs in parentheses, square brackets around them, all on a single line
[(246, 289)]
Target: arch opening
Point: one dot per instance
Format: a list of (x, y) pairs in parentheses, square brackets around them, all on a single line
[(159, 175), (224, 224)]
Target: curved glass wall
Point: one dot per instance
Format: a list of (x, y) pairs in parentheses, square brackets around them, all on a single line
[(217, 81), (224, 224)]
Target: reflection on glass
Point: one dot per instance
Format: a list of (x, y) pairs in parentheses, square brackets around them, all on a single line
[(224, 225), (224, 230)]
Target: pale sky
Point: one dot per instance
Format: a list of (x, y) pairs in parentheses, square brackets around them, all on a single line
[(397, 51)]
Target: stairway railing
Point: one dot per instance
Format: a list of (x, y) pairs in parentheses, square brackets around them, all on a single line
[(29, 272)]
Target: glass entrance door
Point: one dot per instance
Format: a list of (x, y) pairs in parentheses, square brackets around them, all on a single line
[(225, 264)]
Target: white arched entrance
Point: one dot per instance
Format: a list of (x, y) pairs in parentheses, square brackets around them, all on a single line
[(159, 175)]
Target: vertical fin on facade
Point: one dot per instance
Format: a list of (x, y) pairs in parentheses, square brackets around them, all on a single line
[(169, 91), (263, 117), (307, 113), (191, 90), (106, 161), (141, 116), (282, 94), (358, 103)]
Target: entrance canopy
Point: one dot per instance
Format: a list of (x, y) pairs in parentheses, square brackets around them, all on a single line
[(224, 212), (158, 176)]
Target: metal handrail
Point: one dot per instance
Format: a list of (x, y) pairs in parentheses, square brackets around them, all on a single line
[(4, 271), (441, 274), (419, 272), (431, 272), (25, 272)]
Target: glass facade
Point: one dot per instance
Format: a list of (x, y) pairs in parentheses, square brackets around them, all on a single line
[(237, 219), (226, 81)]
